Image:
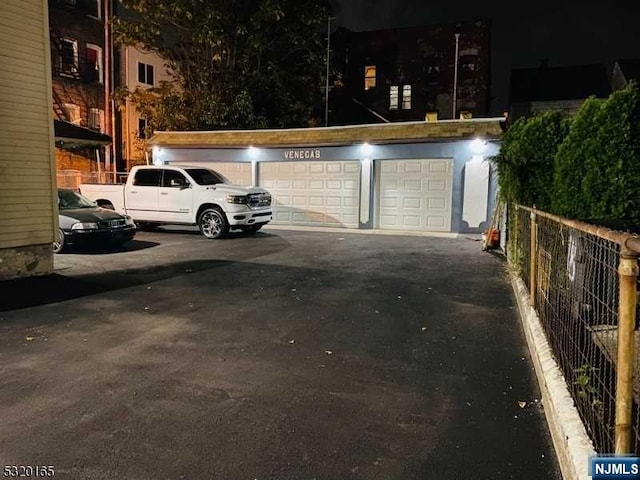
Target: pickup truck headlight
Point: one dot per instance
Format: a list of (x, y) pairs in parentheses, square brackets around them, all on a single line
[(237, 199), (84, 226), (128, 220)]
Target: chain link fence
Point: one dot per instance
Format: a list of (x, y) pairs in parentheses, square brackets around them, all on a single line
[(571, 274)]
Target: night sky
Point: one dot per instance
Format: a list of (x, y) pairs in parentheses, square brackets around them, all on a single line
[(523, 33)]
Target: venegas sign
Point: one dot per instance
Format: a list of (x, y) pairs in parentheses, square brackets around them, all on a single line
[(304, 154)]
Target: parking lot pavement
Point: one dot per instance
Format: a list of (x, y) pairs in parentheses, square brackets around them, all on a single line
[(282, 355)]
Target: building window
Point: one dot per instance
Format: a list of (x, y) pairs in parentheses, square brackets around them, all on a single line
[(369, 77), (142, 128), (96, 119), (145, 73), (73, 113), (93, 8), (406, 97), (68, 60), (393, 97), (94, 71)]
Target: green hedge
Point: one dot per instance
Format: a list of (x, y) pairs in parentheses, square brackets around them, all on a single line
[(597, 167), (525, 162), (587, 167)]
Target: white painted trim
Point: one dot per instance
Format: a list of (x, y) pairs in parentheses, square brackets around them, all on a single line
[(572, 444), (100, 56)]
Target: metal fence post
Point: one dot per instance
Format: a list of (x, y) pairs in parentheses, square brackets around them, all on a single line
[(533, 264), (628, 277)]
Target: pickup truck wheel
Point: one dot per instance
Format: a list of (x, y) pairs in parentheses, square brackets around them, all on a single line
[(213, 223), (58, 244)]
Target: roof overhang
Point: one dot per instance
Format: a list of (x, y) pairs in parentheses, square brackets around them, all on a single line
[(405, 132), (68, 135)]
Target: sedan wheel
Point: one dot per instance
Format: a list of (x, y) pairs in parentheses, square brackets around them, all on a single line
[(58, 244), (213, 223)]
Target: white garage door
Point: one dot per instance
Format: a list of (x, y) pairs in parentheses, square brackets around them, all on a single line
[(415, 195), (313, 193), (239, 173)]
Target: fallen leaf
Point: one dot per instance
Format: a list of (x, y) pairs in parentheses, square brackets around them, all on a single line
[(292, 342), (424, 329), (522, 404), (328, 352), (30, 338)]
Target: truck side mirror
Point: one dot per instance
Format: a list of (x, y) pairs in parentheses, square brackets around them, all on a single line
[(175, 182)]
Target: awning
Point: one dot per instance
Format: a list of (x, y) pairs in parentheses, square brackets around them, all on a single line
[(70, 135)]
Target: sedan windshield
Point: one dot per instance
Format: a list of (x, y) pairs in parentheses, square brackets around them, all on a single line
[(68, 199), (203, 176)]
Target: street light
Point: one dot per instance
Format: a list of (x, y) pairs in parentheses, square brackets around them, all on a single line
[(455, 74)]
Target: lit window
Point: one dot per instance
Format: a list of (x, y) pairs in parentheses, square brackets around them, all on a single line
[(73, 113), (96, 119), (406, 97), (142, 128), (145, 73), (393, 97), (94, 64), (369, 77), (68, 59)]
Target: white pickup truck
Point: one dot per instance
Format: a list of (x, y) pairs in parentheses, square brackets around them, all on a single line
[(162, 195)]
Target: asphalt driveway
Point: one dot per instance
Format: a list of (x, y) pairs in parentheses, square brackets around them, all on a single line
[(284, 355)]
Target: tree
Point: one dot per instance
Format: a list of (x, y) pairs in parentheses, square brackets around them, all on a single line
[(237, 64), (597, 176), (526, 160)]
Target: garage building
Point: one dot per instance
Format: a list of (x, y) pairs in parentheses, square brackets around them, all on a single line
[(416, 176)]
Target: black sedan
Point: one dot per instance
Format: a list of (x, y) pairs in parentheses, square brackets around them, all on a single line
[(82, 222)]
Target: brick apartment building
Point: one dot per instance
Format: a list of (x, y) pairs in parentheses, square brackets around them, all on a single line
[(77, 39), (401, 74)]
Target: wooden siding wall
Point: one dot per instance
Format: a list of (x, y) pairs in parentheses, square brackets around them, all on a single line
[(27, 213)]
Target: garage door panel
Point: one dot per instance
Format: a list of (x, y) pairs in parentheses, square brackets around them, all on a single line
[(299, 201), (334, 201), (351, 167), (436, 203), (438, 167), (412, 167), (350, 202), (314, 192), (412, 185), (412, 203), (415, 194)]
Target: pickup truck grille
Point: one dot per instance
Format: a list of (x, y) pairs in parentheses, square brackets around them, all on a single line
[(256, 200), (119, 222)]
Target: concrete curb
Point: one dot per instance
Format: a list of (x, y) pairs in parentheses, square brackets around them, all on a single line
[(572, 444), (375, 231)]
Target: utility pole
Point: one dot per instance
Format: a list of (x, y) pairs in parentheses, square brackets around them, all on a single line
[(455, 75), (326, 87)]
